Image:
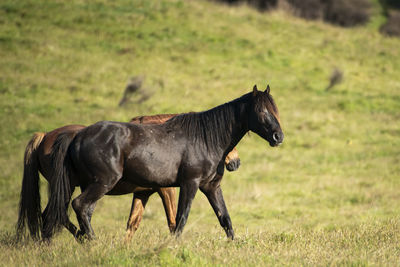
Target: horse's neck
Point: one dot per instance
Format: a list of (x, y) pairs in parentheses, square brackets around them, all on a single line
[(238, 127), (224, 125)]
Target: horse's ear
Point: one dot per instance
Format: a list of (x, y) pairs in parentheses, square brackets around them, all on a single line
[(255, 90), (267, 90)]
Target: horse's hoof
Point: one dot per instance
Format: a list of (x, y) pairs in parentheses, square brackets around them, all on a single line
[(172, 228), (46, 240), (230, 234), (81, 237)]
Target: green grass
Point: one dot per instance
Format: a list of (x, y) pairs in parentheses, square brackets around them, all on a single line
[(328, 196)]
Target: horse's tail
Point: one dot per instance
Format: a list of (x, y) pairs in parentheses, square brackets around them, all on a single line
[(60, 189), (29, 205)]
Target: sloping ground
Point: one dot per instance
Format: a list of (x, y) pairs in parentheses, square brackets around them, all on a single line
[(329, 195)]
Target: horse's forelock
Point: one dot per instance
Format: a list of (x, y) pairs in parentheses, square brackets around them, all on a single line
[(265, 100), (272, 108)]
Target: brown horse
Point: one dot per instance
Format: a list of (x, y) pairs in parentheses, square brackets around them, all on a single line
[(38, 159)]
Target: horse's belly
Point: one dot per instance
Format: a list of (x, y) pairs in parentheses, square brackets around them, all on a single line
[(123, 187), (151, 172)]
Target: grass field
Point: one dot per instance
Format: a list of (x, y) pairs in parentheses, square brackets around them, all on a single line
[(328, 196)]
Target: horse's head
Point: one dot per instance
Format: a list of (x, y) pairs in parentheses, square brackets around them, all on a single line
[(264, 117)]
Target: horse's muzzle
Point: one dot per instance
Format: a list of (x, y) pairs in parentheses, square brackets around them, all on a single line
[(277, 139), (233, 165)]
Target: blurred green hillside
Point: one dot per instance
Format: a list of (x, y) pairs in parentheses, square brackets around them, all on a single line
[(328, 196)]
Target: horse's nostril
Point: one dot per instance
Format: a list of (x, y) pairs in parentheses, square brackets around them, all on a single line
[(275, 136)]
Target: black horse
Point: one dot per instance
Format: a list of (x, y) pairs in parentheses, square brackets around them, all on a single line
[(188, 151)]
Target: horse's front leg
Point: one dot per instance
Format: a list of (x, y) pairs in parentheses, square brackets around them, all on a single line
[(168, 196), (214, 194), (187, 192)]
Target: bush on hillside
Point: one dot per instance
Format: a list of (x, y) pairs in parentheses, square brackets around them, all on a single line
[(261, 5), (344, 13), (391, 3), (392, 26), (339, 12), (308, 9), (347, 13)]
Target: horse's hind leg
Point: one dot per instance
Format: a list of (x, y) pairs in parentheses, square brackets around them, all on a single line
[(69, 225), (135, 217), (84, 205)]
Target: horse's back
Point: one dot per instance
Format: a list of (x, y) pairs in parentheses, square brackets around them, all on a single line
[(51, 136), (154, 119)]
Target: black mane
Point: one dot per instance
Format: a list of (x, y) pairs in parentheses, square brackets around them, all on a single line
[(211, 127)]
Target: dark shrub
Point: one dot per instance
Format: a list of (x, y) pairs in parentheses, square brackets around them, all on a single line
[(340, 12), (392, 3), (261, 5), (308, 9), (347, 13), (392, 26)]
